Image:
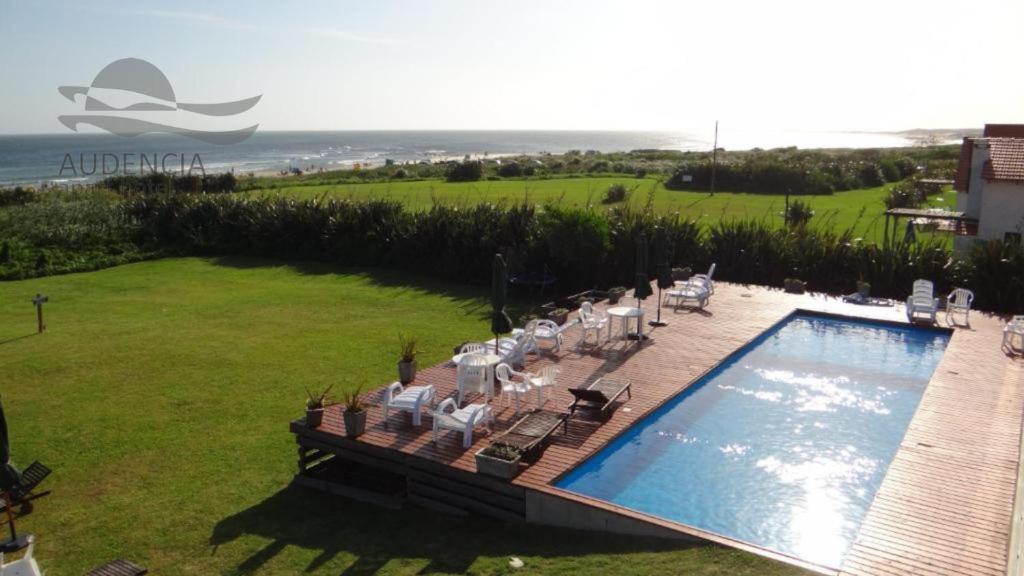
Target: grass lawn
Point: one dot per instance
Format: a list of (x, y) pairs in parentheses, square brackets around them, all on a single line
[(841, 210), (161, 397)]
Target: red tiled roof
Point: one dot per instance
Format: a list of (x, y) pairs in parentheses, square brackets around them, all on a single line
[(963, 168), (1003, 131), (1006, 163)]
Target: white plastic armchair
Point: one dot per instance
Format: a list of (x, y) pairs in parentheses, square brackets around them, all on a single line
[(959, 300), (591, 321), (24, 566), (548, 332), (412, 399), (472, 348), (922, 301), (510, 386), (546, 379), (1014, 330), (448, 416), (471, 376)]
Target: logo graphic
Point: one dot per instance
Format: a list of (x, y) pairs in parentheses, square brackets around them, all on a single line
[(130, 97)]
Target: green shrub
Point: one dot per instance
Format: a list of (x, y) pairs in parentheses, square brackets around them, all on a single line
[(615, 193), (798, 213), (17, 196), (467, 171), (510, 170), (905, 194)]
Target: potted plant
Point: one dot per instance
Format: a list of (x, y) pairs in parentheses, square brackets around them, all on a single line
[(499, 460), (315, 402), (353, 412), (558, 315), (794, 285), (615, 293), (406, 359), (863, 288), (682, 274)]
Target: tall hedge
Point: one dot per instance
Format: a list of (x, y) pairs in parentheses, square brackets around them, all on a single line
[(583, 247)]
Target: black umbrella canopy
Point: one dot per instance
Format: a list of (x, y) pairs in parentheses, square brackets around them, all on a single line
[(9, 475), (663, 257), (500, 322), (643, 282)]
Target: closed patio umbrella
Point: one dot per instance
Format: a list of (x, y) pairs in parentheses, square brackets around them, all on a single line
[(663, 259), (642, 289), (500, 322), (9, 478)]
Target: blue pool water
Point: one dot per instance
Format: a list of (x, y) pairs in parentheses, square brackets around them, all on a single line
[(784, 444)]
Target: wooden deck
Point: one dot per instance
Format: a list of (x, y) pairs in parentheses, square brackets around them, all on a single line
[(944, 507)]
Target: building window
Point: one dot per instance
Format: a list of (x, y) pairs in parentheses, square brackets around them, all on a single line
[(1012, 237)]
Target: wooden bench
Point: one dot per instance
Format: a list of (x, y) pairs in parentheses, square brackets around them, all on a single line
[(599, 396), (119, 567)]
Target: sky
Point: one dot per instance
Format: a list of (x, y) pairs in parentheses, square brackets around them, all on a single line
[(525, 64)]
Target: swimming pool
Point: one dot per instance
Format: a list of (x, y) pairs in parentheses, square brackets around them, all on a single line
[(784, 444)]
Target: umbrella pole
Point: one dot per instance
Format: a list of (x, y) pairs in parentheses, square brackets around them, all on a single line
[(16, 542), (658, 322)]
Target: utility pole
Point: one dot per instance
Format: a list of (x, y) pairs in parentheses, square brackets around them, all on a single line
[(714, 159)]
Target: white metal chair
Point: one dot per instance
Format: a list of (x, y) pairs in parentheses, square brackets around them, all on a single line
[(24, 566), (546, 379), (510, 386), (471, 376), (412, 399), (922, 301), (959, 300), (1014, 330), (591, 321), (448, 416), (472, 348)]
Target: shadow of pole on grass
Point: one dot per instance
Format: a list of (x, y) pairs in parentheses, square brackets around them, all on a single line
[(305, 518)]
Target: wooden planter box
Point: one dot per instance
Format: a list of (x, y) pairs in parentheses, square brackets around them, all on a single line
[(496, 467)]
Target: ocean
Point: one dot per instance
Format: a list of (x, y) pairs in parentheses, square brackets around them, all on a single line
[(81, 157)]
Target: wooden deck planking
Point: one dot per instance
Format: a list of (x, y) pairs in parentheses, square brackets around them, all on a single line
[(944, 506)]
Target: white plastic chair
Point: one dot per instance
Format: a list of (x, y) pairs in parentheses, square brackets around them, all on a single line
[(463, 420), (514, 352), (472, 348), (471, 375), (548, 332), (922, 301), (1014, 330), (546, 379), (24, 566), (591, 321), (959, 300), (412, 399), (510, 386)]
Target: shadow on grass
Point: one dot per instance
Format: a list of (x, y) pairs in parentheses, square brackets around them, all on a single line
[(16, 338), (332, 525), (472, 300)]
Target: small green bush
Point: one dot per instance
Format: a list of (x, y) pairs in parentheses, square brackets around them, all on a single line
[(615, 193), (467, 171)]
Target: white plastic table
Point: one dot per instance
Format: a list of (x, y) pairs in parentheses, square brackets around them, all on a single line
[(625, 313), (492, 361)]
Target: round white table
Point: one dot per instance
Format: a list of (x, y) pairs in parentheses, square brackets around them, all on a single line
[(625, 313), (492, 361)]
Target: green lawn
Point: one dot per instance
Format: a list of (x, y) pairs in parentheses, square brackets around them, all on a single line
[(161, 396), (841, 210)]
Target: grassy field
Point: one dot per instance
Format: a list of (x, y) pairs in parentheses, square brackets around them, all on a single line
[(161, 396), (841, 210)]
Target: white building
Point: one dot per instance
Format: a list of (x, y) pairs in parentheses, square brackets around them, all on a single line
[(990, 184)]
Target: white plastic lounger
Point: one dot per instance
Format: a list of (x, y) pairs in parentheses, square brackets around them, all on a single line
[(693, 291), (448, 416), (922, 301), (412, 399), (1014, 331)]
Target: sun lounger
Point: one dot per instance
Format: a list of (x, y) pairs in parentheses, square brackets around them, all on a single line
[(600, 396), (529, 432), (24, 490), (119, 567)]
